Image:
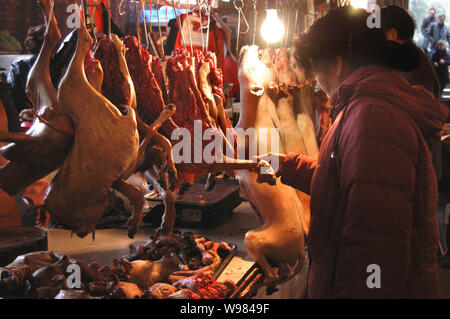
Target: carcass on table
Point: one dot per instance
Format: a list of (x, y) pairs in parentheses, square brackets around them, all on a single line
[(204, 286)]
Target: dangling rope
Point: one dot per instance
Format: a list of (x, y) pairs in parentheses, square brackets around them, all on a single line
[(254, 23), (167, 20), (296, 19), (201, 25), (138, 21), (287, 25), (179, 24), (151, 16), (108, 8), (240, 15), (145, 23), (94, 22), (189, 25), (208, 10), (160, 31), (50, 16), (149, 35)]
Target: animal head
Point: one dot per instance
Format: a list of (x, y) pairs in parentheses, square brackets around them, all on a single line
[(256, 70)]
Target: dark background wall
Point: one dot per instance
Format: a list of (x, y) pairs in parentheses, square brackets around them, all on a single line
[(16, 16)]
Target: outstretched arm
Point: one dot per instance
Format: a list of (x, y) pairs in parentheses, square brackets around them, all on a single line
[(297, 170)]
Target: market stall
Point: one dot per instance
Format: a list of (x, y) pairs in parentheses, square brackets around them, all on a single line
[(139, 159)]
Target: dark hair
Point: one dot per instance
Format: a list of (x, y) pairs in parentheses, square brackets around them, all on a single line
[(441, 16), (432, 9), (399, 19), (344, 31), (35, 38)]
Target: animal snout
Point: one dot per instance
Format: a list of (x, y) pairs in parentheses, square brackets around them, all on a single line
[(257, 90)]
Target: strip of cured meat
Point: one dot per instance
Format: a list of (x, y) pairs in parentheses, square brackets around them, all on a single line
[(149, 94)]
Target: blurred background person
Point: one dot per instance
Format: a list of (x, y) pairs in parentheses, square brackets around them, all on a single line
[(441, 60), (18, 72), (438, 31), (398, 25), (425, 29)]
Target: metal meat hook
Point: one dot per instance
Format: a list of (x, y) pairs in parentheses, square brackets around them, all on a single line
[(240, 13), (121, 13)]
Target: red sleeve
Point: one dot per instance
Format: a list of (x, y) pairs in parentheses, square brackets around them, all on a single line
[(297, 171)]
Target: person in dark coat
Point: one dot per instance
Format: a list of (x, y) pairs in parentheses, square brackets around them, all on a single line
[(438, 31), (441, 60), (373, 230), (425, 29), (399, 26), (18, 72)]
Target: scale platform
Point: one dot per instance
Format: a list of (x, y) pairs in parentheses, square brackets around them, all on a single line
[(197, 207)]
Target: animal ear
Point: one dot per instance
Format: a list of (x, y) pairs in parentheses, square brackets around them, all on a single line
[(257, 90), (274, 86), (126, 265)]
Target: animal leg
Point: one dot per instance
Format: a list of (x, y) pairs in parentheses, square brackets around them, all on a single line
[(169, 166), (12, 137), (151, 130), (254, 244), (168, 219), (287, 272), (40, 89), (137, 199)]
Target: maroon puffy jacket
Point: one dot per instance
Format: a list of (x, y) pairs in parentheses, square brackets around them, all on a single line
[(373, 191)]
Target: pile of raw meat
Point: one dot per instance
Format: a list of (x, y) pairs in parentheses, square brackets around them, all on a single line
[(179, 266)]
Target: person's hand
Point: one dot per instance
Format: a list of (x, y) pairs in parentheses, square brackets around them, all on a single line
[(266, 174), (27, 115), (268, 167), (436, 64), (442, 61), (272, 158)]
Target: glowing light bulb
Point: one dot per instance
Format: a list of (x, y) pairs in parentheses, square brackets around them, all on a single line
[(363, 4), (272, 28)]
